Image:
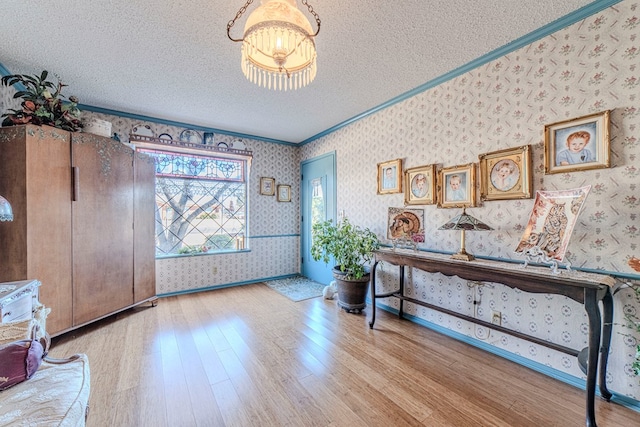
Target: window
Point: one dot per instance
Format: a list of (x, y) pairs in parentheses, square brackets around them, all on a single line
[(201, 201)]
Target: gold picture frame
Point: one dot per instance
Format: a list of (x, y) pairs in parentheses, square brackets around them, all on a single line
[(577, 144), (284, 193), (267, 186), (420, 185), (390, 177), (506, 174), (457, 186)]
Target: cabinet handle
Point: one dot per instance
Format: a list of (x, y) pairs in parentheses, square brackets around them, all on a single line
[(76, 182)]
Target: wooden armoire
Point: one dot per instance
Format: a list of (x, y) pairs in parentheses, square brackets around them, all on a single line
[(83, 223)]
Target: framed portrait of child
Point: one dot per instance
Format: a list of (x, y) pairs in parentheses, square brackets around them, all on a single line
[(420, 185), (577, 144), (457, 186), (506, 174)]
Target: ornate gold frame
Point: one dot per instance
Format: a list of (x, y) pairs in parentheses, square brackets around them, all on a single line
[(267, 186), (467, 174), (392, 186), (517, 185), (414, 195)]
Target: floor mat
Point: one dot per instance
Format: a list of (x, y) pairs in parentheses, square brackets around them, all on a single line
[(296, 288)]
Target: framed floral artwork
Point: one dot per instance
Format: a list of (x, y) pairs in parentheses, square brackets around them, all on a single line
[(284, 193), (552, 220), (506, 174), (405, 223), (457, 186), (267, 186), (420, 185), (577, 144), (390, 177)]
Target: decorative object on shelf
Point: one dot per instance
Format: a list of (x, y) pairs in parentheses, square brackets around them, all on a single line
[(577, 144), (278, 47), (42, 103), (403, 224), (191, 136), (165, 136), (238, 144), (351, 247), (457, 185), (6, 213), (464, 222), (390, 177), (420, 185), (553, 216), (222, 145), (267, 186), (208, 138), (97, 127), (506, 174), (284, 193), (142, 130)]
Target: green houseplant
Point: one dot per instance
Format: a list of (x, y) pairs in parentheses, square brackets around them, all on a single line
[(351, 247), (42, 103)]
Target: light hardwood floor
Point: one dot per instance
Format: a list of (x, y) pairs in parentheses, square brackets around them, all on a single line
[(247, 356)]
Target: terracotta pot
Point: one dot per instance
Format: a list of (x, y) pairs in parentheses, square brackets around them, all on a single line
[(352, 293)]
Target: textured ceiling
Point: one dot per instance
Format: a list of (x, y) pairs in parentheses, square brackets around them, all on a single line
[(172, 59)]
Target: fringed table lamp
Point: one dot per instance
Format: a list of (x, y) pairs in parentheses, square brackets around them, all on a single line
[(464, 222), (6, 214)]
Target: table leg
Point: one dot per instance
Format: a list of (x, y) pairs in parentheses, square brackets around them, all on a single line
[(373, 295), (593, 312), (401, 290), (607, 325)]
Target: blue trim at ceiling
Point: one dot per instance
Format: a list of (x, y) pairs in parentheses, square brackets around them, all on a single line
[(180, 124), (544, 31), (525, 40)]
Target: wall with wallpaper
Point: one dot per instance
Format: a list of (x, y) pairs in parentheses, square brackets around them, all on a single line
[(591, 66)]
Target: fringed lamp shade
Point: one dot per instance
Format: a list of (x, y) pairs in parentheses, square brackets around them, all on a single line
[(6, 214), (278, 48), (464, 222)]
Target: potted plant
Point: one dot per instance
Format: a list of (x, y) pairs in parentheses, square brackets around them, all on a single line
[(351, 247), (42, 103)]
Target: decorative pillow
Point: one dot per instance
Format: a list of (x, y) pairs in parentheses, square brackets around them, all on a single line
[(19, 360)]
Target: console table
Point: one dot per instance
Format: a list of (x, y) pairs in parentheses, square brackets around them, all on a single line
[(586, 288)]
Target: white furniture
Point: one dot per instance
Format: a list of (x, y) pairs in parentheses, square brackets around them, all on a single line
[(17, 300)]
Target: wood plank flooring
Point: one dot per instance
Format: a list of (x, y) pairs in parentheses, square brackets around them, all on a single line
[(247, 356)]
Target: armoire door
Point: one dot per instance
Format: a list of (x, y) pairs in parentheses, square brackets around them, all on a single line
[(144, 256), (102, 215)]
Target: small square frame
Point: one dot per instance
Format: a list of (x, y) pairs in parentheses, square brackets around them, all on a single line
[(465, 195), (208, 138), (390, 177), (284, 193), (506, 174), (267, 186), (594, 155), (420, 185), (404, 222)]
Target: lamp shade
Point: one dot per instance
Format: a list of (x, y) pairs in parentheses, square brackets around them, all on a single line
[(466, 222), (6, 214), (278, 48)]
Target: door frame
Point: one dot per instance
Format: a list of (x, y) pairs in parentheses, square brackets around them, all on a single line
[(331, 213)]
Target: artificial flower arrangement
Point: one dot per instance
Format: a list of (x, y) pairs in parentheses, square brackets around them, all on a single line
[(42, 103)]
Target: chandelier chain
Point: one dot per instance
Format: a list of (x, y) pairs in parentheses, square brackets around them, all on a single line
[(231, 23), (243, 9)]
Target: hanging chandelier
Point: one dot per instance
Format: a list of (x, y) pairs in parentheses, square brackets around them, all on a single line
[(278, 48)]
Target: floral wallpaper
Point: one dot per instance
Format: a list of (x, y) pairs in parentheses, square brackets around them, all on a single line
[(588, 67)]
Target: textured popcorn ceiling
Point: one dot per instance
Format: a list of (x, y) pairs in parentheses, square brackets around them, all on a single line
[(172, 59)]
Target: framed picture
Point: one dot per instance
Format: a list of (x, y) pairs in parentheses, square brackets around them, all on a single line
[(457, 186), (267, 186), (404, 223), (390, 177), (284, 193), (577, 144), (506, 174), (420, 185), (553, 217), (208, 138)]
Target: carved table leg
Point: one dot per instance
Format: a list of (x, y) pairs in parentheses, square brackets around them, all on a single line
[(607, 325), (593, 312)]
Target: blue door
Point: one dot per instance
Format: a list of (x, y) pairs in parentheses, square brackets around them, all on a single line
[(318, 203)]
